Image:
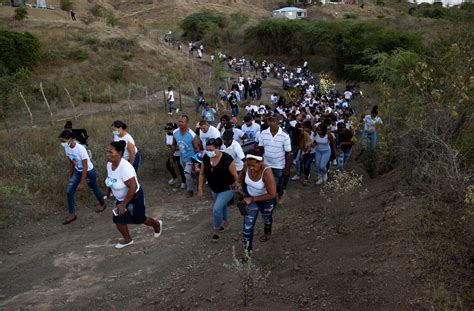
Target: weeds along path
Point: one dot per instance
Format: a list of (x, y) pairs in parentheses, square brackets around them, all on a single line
[(309, 265)]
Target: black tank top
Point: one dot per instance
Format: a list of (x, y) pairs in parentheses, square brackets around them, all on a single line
[(219, 176)]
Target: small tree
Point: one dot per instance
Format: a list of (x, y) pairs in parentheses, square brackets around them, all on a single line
[(65, 5), (21, 13)]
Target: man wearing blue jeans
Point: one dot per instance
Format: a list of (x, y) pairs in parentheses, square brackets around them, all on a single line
[(186, 140), (277, 153)]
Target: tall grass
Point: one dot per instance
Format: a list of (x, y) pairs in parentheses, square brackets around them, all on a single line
[(33, 164)]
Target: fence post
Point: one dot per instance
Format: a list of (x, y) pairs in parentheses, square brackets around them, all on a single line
[(27, 108), (128, 101), (146, 99), (47, 104), (110, 100), (90, 104), (72, 104)]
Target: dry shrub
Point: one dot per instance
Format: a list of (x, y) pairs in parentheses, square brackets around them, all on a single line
[(341, 186)]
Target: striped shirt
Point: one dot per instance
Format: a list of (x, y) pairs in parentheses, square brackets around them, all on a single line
[(275, 147)]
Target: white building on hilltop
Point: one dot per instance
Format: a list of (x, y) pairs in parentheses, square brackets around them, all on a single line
[(446, 3), (290, 13)]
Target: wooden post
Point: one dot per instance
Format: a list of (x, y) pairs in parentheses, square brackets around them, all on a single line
[(110, 100), (128, 101), (47, 104), (27, 108), (192, 86), (146, 99), (210, 79), (90, 104), (164, 93), (180, 102), (72, 104)]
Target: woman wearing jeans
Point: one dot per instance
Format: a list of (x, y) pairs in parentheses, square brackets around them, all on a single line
[(81, 171), (219, 169), (324, 142), (260, 197)]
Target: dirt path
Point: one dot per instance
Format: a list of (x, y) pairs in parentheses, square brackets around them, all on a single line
[(46, 265), (310, 265)]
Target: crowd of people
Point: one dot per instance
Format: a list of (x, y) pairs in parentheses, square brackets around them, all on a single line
[(308, 131)]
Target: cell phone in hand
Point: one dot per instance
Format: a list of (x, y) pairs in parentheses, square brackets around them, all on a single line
[(235, 188), (116, 211)]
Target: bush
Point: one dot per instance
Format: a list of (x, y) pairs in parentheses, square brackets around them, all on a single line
[(98, 11), (21, 13), (121, 44), (112, 20), (18, 50), (117, 72), (195, 26), (65, 5), (350, 16)]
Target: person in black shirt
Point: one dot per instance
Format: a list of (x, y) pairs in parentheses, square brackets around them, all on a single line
[(80, 135), (344, 143), (219, 169)]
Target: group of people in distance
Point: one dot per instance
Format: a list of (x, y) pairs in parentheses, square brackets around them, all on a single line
[(246, 164)]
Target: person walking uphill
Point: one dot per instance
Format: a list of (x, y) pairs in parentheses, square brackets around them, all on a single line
[(81, 171), (130, 202), (260, 196), (277, 153), (131, 152), (186, 141), (218, 168)]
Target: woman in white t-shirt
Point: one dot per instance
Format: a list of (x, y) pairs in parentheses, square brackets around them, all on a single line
[(131, 153), (81, 171), (130, 202)]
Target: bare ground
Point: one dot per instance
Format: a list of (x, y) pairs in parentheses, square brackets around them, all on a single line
[(45, 265)]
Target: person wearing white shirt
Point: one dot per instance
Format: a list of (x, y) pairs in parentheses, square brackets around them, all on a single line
[(276, 145), (131, 153), (207, 132), (238, 134), (250, 128), (129, 199), (233, 148), (371, 122), (81, 171), (170, 100), (347, 95)]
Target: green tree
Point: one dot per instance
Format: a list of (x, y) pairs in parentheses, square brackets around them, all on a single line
[(21, 13), (18, 50), (66, 5)]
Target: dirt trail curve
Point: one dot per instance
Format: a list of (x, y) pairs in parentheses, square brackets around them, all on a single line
[(46, 265), (51, 266)]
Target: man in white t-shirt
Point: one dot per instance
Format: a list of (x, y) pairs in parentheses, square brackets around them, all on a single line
[(207, 132), (233, 148), (170, 99), (250, 128), (276, 145), (348, 95)]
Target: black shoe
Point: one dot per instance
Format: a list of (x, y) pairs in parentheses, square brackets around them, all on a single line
[(215, 238)]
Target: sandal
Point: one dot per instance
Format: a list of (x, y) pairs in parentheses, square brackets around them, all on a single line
[(68, 221), (265, 237), (100, 209)]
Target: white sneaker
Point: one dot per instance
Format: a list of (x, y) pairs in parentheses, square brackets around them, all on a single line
[(325, 177), (120, 245), (157, 234), (170, 113), (296, 177), (172, 181), (183, 186), (334, 162), (320, 180), (177, 110)]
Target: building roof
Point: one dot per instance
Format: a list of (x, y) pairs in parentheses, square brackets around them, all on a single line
[(289, 9)]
